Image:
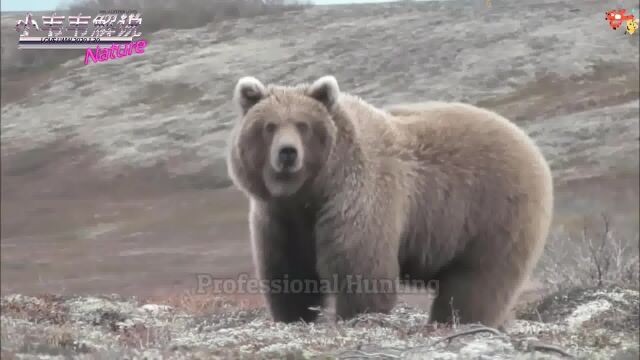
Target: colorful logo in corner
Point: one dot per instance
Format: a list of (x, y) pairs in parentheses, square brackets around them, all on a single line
[(115, 30), (617, 17)]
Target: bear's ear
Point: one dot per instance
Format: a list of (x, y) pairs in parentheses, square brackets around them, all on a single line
[(325, 90), (248, 92)]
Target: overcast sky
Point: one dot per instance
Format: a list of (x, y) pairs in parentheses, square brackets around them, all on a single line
[(42, 5)]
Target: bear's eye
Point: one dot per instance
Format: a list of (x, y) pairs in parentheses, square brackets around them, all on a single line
[(270, 127), (303, 127)]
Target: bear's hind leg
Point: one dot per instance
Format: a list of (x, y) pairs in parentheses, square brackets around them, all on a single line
[(474, 296)]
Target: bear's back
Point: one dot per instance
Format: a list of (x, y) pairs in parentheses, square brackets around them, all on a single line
[(446, 143), (469, 138)]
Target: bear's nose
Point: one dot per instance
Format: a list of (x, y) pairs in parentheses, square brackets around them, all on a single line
[(287, 156)]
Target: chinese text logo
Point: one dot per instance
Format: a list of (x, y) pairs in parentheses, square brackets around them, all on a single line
[(73, 32)]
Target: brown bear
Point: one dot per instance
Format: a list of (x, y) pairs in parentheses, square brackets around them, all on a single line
[(341, 190)]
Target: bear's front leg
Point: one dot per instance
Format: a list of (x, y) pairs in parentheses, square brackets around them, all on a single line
[(285, 259), (358, 255)]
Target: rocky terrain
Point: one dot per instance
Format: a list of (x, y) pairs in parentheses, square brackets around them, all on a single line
[(113, 179)]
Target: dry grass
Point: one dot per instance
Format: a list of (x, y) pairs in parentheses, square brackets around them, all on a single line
[(46, 309), (593, 257), (202, 304)]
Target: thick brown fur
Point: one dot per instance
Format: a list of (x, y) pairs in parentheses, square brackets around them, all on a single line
[(436, 191)]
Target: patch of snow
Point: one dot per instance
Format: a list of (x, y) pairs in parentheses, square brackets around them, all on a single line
[(619, 295), (483, 346), (23, 299), (155, 309), (87, 308), (419, 354), (281, 348), (584, 312)]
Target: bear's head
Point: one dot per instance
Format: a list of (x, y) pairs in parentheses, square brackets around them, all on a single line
[(284, 135)]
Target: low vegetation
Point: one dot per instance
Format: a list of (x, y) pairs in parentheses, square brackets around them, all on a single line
[(594, 256), (589, 309)]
